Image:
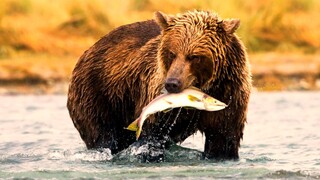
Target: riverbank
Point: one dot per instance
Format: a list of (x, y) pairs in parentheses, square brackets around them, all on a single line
[(285, 72), (47, 74)]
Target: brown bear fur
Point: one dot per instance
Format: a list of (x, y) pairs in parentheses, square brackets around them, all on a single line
[(121, 73)]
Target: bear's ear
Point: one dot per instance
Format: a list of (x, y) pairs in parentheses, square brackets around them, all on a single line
[(163, 20), (230, 25)]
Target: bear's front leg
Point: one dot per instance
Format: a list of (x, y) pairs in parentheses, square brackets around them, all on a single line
[(223, 131), (221, 146)]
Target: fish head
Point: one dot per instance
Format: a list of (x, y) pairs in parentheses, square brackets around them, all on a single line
[(212, 104)]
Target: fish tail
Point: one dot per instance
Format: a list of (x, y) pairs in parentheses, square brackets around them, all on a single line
[(134, 126), (139, 128), (138, 132)]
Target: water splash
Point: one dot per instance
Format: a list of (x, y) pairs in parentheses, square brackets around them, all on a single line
[(82, 155), (174, 121)]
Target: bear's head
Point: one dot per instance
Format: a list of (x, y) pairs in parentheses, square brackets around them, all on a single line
[(193, 47)]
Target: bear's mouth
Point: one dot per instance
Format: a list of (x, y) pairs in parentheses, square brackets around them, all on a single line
[(195, 83), (175, 85)]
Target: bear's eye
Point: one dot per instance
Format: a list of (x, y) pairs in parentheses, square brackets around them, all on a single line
[(194, 57), (171, 55)]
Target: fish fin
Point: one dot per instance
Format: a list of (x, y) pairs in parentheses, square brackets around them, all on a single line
[(193, 98), (169, 102), (187, 108), (134, 125), (167, 110)]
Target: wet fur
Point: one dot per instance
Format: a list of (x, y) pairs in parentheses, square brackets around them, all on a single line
[(128, 67)]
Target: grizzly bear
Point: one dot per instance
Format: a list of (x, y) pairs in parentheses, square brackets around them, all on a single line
[(126, 69)]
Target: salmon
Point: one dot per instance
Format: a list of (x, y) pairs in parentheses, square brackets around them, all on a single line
[(191, 97)]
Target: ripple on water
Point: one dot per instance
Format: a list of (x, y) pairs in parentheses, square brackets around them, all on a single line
[(283, 174), (261, 159)]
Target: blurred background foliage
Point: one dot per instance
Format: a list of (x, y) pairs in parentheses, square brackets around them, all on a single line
[(64, 26), (41, 40)]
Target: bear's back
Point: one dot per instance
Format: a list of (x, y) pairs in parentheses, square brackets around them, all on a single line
[(102, 65), (134, 35)]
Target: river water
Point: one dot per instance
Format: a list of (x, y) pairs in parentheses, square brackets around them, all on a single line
[(281, 140)]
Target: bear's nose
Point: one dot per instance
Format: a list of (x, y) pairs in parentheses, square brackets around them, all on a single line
[(173, 85)]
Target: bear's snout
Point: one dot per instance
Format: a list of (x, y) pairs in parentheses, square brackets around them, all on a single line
[(173, 85)]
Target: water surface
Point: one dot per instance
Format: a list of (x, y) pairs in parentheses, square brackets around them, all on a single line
[(281, 140)]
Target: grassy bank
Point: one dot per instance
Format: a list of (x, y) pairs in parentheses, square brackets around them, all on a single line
[(40, 41)]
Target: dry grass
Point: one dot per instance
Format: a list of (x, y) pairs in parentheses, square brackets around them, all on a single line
[(60, 26), (43, 39)]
